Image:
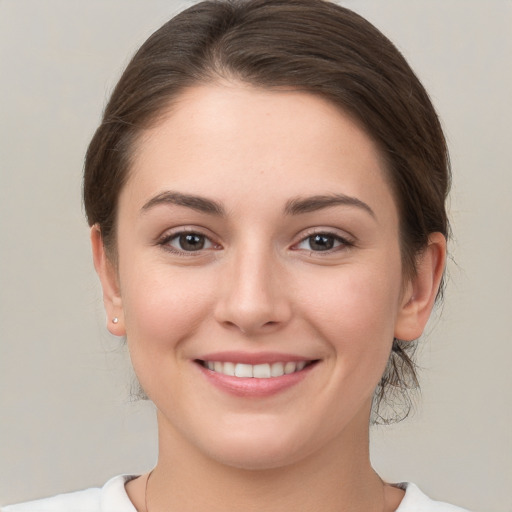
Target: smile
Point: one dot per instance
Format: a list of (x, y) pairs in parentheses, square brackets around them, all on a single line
[(256, 371)]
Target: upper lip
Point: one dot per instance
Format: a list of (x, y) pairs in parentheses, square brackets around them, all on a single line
[(253, 358)]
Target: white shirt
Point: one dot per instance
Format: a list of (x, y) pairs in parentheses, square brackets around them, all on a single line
[(112, 497)]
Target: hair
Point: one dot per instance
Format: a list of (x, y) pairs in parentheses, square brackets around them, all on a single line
[(313, 46)]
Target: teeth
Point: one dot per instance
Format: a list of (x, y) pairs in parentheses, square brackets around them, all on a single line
[(290, 368), (261, 371), (229, 369), (257, 371), (276, 370), (243, 370)]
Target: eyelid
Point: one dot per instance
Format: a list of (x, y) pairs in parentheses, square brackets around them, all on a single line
[(346, 240), (170, 234)]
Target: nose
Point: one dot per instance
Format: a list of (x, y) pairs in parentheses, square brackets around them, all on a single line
[(252, 295)]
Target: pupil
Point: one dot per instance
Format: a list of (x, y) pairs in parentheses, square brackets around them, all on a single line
[(192, 242), (321, 242)]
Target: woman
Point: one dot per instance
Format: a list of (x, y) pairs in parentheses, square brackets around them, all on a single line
[(266, 200)]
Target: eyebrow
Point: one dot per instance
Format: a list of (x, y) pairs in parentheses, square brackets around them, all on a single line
[(198, 203), (315, 203), (295, 206)]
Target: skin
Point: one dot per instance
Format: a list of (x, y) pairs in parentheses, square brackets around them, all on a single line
[(259, 285)]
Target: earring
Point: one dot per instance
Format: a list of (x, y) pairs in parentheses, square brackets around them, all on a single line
[(115, 320)]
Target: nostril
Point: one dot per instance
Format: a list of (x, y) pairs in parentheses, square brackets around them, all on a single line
[(250, 315)]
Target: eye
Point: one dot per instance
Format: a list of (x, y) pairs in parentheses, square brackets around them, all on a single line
[(319, 242), (187, 242)]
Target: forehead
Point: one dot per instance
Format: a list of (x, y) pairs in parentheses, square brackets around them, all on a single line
[(225, 139)]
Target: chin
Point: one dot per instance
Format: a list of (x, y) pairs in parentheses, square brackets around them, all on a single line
[(264, 448), (255, 457)]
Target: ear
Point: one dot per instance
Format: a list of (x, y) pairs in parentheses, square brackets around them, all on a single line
[(107, 273), (421, 290)]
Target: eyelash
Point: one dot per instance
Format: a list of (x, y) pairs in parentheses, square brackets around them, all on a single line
[(164, 242), (343, 243)]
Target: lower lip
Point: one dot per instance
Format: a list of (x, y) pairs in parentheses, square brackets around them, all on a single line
[(253, 387)]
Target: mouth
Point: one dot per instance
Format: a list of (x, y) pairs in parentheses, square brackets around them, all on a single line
[(255, 375), (256, 371)]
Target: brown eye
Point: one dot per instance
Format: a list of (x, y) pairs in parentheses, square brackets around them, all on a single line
[(188, 242), (321, 242), (191, 242)]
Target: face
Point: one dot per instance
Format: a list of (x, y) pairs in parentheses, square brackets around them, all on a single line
[(259, 277)]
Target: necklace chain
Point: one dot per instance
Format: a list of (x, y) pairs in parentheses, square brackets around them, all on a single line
[(151, 472), (146, 491)]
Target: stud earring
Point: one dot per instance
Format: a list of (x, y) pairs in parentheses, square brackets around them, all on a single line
[(115, 320)]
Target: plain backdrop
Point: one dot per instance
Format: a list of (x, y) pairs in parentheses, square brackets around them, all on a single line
[(67, 417)]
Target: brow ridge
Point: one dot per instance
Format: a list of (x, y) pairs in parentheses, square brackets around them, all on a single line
[(301, 205), (198, 203)]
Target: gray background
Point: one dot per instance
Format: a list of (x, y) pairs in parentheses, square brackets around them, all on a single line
[(67, 420)]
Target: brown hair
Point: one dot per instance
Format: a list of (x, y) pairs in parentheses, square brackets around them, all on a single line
[(309, 45)]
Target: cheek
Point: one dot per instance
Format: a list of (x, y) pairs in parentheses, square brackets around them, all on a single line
[(355, 309), (164, 306), (360, 296)]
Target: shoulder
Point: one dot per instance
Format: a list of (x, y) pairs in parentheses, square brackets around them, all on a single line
[(415, 501), (111, 497)]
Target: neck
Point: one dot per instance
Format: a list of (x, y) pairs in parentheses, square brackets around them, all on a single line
[(337, 478)]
